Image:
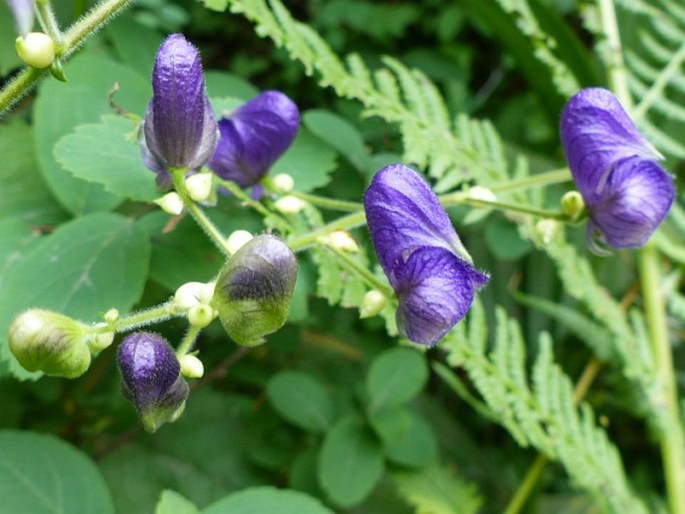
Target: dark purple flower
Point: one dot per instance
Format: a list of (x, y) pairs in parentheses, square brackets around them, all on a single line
[(254, 136), (23, 13), (614, 167), (152, 378), (179, 129), (420, 252)]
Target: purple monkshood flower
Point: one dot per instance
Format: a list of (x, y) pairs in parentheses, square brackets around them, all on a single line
[(421, 254), (254, 136), (614, 167), (179, 129), (152, 378), (23, 13)]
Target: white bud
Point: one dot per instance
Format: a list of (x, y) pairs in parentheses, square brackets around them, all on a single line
[(372, 304), (207, 292), (481, 193), (188, 295), (36, 49), (191, 366), (342, 241), (199, 186), (111, 315), (237, 239), (547, 229), (171, 203), (283, 183), (200, 315), (289, 204)]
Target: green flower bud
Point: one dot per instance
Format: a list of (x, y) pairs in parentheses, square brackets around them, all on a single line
[(50, 342), (372, 304), (36, 49), (191, 366), (572, 204), (200, 315), (253, 291)]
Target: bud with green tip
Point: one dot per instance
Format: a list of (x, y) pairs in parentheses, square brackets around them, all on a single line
[(50, 342), (373, 303), (36, 49), (572, 204), (253, 291)]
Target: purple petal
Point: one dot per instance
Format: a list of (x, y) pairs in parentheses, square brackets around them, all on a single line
[(179, 128), (596, 133), (254, 136), (635, 200), (435, 289), (402, 213)]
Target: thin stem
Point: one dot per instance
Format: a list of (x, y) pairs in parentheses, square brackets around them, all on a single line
[(138, 319), (540, 180), (671, 436), (48, 21), (616, 68), (238, 192), (219, 240), (188, 341), (363, 272), (327, 203), (512, 207), (345, 223)]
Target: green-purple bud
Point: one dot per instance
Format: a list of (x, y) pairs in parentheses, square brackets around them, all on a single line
[(254, 288)]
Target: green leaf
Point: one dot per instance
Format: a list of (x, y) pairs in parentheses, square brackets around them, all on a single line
[(223, 84), (434, 490), (173, 503), (340, 134), (309, 161), (395, 377), (82, 269), (135, 44), (407, 438), (301, 399), (61, 107), (23, 193), (42, 474), (107, 153), (504, 240), (350, 462), (263, 500)]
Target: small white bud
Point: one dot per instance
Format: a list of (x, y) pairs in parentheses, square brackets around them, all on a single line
[(372, 304), (207, 292), (200, 315), (188, 295), (482, 193), (342, 241), (191, 366), (289, 204), (36, 49), (111, 316), (171, 203), (237, 239), (199, 186), (283, 183), (547, 229)]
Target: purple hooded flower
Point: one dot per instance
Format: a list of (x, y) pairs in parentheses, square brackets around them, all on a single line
[(420, 252), (152, 378), (179, 129), (254, 136), (23, 13), (614, 167)]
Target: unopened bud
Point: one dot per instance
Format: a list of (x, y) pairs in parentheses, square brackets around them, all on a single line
[(289, 204), (206, 292), (50, 342), (199, 186), (342, 241), (237, 239), (283, 183), (372, 304), (171, 203), (200, 315), (98, 342), (481, 193), (191, 366), (187, 296), (547, 229), (36, 49), (111, 315), (572, 204)]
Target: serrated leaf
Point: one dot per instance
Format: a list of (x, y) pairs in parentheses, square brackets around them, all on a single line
[(395, 377), (350, 462), (301, 399), (61, 107), (309, 161), (85, 267), (107, 153), (42, 474), (261, 500), (170, 502)]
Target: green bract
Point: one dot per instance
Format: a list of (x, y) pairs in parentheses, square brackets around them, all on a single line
[(254, 289)]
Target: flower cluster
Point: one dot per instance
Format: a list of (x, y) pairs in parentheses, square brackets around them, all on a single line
[(614, 167), (420, 253)]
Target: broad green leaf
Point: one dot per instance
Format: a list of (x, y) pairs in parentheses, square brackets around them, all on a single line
[(504, 240), (340, 134), (16, 238), (263, 500), (84, 99), (23, 193), (82, 269), (350, 462), (301, 399), (170, 502), (309, 161), (434, 490), (224, 84), (135, 44), (42, 474), (407, 439), (395, 377), (107, 153)]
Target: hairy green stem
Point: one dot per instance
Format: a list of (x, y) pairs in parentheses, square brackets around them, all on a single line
[(138, 319), (511, 207), (363, 272), (279, 222), (48, 21), (70, 41), (540, 180), (188, 341), (345, 223), (327, 203)]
